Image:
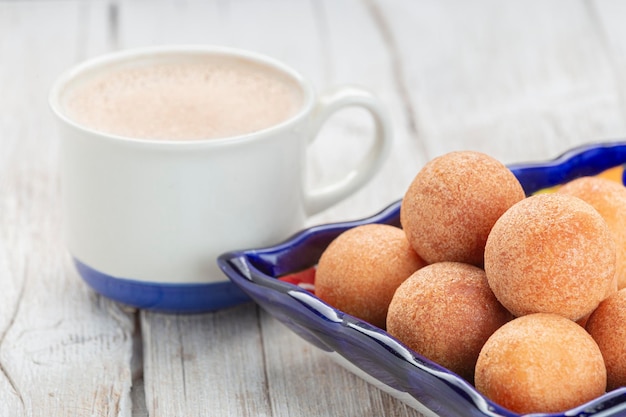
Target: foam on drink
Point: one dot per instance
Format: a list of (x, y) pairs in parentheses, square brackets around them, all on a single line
[(188, 99)]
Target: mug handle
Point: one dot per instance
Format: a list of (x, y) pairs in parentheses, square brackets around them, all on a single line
[(323, 197)]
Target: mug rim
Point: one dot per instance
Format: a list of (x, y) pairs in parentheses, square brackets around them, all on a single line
[(145, 53)]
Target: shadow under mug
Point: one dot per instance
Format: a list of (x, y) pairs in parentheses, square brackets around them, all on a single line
[(145, 220)]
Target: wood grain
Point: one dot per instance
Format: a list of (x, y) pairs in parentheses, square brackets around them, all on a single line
[(197, 364), (63, 350)]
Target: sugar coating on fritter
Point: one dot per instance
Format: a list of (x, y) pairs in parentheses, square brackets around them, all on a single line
[(609, 199), (540, 363), (360, 270), (446, 311), (452, 203), (550, 253), (607, 326)]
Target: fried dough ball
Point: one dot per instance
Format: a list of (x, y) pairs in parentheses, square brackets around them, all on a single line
[(607, 326), (446, 311), (540, 363), (550, 253), (360, 270), (609, 198), (452, 203)]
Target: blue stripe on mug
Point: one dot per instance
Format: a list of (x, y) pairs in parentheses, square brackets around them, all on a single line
[(164, 297)]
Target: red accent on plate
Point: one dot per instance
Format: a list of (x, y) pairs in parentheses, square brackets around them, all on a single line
[(304, 279)]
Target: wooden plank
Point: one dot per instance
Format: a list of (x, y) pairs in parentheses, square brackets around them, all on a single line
[(63, 350), (204, 364)]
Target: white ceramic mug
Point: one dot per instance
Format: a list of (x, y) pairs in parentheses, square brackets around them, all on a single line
[(145, 220)]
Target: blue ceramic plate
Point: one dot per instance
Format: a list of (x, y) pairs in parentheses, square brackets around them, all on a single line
[(371, 352)]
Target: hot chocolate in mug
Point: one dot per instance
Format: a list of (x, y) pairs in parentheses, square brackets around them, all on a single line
[(171, 156)]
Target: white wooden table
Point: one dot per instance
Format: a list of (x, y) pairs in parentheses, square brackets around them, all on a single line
[(521, 80)]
